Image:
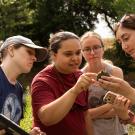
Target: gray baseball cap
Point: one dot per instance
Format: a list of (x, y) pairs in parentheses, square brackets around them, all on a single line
[(41, 52)]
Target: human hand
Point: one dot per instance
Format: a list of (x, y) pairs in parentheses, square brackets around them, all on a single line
[(121, 105), (37, 131), (84, 81), (2, 131), (116, 85)]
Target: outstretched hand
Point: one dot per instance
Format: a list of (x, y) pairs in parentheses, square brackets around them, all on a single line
[(121, 105), (116, 85), (84, 81)]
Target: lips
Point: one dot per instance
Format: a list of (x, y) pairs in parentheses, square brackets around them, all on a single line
[(132, 55), (74, 65), (30, 64), (131, 52), (93, 57)]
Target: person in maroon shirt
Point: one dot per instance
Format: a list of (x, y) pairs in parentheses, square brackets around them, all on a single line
[(59, 91)]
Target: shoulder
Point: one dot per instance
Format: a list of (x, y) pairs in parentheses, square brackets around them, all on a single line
[(117, 71), (3, 80), (44, 72), (47, 76)]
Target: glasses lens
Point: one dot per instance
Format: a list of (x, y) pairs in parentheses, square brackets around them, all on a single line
[(94, 48)]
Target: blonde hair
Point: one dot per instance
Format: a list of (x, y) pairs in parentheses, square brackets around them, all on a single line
[(91, 34)]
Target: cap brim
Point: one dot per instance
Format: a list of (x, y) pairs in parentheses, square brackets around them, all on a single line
[(41, 52)]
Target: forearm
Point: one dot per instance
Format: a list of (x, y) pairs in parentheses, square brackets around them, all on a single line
[(98, 111), (55, 111), (89, 124), (109, 114), (131, 95)]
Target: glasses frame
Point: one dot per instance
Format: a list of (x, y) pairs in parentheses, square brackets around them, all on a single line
[(95, 48)]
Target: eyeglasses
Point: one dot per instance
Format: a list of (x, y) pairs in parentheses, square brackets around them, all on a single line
[(95, 48)]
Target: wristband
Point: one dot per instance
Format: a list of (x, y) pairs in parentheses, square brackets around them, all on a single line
[(129, 120)]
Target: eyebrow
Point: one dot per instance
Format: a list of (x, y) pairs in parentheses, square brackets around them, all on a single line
[(72, 50), (118, 40), (87, 46), (123, 35)]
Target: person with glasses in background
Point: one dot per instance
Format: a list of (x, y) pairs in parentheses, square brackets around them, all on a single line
[(125, 35), (18, 55), (105, 120)]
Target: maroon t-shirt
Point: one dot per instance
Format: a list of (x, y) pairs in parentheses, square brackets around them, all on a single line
[(47, 87)]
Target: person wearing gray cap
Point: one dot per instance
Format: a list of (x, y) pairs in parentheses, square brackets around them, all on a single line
[(18, 54)]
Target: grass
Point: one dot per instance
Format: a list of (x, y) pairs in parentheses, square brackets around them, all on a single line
[(26, 122), (131, 129)]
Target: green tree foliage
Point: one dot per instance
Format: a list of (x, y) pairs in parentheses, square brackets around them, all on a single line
[(72, 15), (15, 17), (123, 6), (75, 15), (37, 19), (113, 10)]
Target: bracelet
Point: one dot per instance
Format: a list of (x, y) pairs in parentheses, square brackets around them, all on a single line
[(129, 120)]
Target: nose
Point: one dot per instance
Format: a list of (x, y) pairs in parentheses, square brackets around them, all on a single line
[(75, 57), (124, 46), (34, 58), (92, 51)]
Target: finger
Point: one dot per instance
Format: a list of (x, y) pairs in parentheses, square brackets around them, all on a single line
[(128, 103), (119, 100), (111, 79), (84, 85), (43, 133), (123, 102), (107, 84), (35, 130), (88, 77), (2, 131), (91, 75)]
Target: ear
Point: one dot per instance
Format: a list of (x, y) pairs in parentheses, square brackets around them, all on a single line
[(11, 50), (53, 56)]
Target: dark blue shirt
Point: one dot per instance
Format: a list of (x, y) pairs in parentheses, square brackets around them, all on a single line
[(10, 98)]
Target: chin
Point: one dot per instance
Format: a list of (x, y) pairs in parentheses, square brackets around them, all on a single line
[(75, 69), (27, 70), (133, 56)]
